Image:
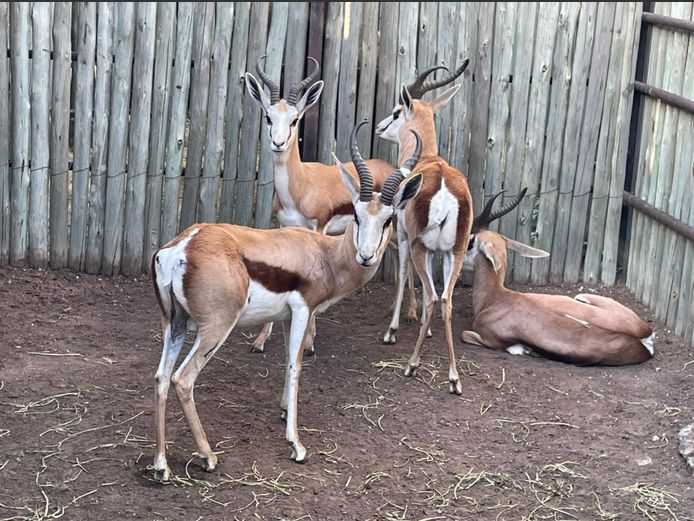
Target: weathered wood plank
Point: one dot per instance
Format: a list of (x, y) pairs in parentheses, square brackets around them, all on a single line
[(265, 188), (60, 133), (4, 143), (428, 37), (499, 110), (295, 61), (552, 158), (40, 134), (311, 121), (20, 103), (235, 100), (203, 32), (216, 108), (575, 240), (368, 60), (102, 109), (247, 172), (386, 89), (347, 91), (161, 97), (331, 69), (480, 102), (571, 151), (84, 97), (138, 142), (447, 36), (124, 41), (406, 64), (518, 117), (538, 106)]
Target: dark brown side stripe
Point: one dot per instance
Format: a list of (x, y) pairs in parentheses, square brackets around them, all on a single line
[(274, 278)]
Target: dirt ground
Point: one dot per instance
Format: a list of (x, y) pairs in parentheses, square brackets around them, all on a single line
[(529, 439)]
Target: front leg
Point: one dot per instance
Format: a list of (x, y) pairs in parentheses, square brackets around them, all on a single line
[(299, 325)]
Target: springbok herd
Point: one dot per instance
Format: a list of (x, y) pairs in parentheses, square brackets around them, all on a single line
[(336, 222)]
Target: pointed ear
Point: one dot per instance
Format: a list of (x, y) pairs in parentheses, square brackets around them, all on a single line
[(525, 250), (310, 97), (492, 255), (443, 99), (408, 189), (405, 98), (256, 90), (348, 180)]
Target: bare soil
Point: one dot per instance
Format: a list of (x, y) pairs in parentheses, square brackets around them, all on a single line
[(529, 439)]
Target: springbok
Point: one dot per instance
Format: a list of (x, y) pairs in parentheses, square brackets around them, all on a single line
[(223, 276), (439, 218), (310, 195), (586, 330)]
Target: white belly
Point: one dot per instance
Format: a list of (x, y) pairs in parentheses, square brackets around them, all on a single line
[(264, 306), (292, 217)]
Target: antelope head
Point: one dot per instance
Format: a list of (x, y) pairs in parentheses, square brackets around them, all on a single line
[(282, 116), (411, 106), (374, 212)]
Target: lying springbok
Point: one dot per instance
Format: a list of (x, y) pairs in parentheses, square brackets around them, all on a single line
[(310, 195), (223, 276), (585, 330), (439, 218)]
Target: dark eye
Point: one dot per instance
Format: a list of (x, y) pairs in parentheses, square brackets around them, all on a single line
[(396, 114), (268, 120), (387, 223), (295, 122)]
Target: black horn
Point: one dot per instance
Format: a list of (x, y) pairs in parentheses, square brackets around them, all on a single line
[(366, 184), (487, 216), (393, 182), (274, 88), (421, 86), (297, 90)]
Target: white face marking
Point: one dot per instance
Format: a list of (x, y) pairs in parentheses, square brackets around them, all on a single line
[(582, 322), (389, 128), (170, 268), (518, 349), (282, 121), (440, 233), (371, 232), (648, 343)]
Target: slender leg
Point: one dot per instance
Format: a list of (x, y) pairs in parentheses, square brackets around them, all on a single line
[(300, 318), (411, 295), (403, 261), (421, 264), (209, 339), (259, 342), (286, 327), (174, 338), (470, 337), (309, 348), (451, 268), (429, 266)]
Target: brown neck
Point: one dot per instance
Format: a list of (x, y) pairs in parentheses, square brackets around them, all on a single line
[(427, 132), (488, 284)]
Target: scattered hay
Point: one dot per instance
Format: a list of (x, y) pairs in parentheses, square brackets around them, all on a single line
[(652, 502), (427, 373), (600, 512), (37, 407), (429, 454)]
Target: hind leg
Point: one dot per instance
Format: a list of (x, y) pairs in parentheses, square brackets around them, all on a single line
[(403, 261), (259, 342), (452, 264)]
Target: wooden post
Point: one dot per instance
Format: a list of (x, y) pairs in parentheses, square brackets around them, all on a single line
[(236, 91), (347, 86), (175, 142), (265, 187), (203, 32), (368, 59), (124, 40), (4, 143), (331, 69), (40, 135), (447, 36), (60, 133), (102, 109), (138, 143), (161, 96), (19, 195), (311, 120), (84, 96)]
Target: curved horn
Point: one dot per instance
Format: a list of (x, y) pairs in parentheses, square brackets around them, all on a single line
[(366, 184), (393, 182), (487, 216), (297, 90), (415, 88), (274, 88), (421, 87)]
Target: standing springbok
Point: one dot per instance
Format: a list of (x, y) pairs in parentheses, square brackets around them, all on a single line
[(310, 195), (223, 276), (585, 330), (439, 218)]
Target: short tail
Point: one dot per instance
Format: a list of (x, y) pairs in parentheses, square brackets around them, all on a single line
[(648, 343)]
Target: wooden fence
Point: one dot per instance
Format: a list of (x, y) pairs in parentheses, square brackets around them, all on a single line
[(661, 261), (128, 122)]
